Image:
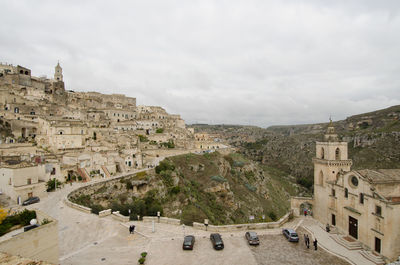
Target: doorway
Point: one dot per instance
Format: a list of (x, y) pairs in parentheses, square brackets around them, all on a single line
[(353, 227), (378, 245), (333, 220)]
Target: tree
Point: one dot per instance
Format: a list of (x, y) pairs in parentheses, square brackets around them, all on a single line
[(3, 215), (51, 184)]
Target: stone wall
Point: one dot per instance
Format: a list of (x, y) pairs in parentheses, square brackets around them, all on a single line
[(243, 227), (164, 220), (40, 243)]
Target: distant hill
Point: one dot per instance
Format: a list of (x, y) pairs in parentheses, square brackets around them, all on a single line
[(373, 139)]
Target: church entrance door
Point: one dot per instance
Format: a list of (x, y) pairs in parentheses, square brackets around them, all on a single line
[(353, 227)]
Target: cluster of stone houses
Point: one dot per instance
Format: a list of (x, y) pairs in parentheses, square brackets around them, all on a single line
[(63, 134)]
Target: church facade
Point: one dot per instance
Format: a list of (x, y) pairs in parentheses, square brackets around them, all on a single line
[(361, 204)]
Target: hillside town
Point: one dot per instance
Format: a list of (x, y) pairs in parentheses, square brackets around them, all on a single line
[(54, 133)]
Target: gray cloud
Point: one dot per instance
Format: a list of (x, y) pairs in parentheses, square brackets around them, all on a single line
[(243, 62)]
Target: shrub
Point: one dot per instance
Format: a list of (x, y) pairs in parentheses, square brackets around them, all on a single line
[(169, 144), (143, 254), (51, 184), (218, 178), (164, 165), (250, 187), (3, 214), (160, 130), (175, 190), (129, 185), (305, 182), (45, 221), (96, 208), (141, 175), (141, 260), (272, 215), (22, 218), (143, 138)]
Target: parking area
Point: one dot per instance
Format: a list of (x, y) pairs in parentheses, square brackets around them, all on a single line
[(275, 249)]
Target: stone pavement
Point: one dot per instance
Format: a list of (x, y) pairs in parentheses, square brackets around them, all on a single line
[(326, 242), (87, 239)]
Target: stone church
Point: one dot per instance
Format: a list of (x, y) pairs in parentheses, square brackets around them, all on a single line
[(362, 205)]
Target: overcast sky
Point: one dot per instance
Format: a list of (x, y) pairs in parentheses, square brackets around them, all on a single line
[(232, 62)]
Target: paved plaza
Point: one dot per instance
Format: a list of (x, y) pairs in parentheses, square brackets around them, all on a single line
[(87, 239)]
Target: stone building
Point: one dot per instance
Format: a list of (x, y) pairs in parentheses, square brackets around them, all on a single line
[(361, 204)]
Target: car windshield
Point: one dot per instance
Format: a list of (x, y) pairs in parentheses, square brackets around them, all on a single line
[(217, 240), (293, 234), (253, 235), (188, 240)]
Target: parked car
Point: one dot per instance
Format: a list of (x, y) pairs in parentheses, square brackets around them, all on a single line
[(30, 227), (252, 238), (31, 200), (290, 234), (217, 242), (188, 242)]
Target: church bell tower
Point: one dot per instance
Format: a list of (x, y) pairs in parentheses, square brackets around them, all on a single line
[(58, 73), (331, 159)]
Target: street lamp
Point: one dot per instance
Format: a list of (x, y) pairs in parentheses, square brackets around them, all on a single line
[(158, 216), (206, 223)]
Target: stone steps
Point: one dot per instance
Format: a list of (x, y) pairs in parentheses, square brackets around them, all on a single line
[(349, 245), (370, 256)]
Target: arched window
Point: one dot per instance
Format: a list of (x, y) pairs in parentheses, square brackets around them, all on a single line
[(321, 178), (16, 110), (346, 193), (26, 72), (21, 72), (322, 153), (337, 154)]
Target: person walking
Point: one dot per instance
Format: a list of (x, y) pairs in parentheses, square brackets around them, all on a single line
[(133, 229), (307, 241), (315, 244), (130, 229)]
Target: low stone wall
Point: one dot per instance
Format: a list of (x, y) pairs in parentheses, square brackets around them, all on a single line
[(40, 243), (77, 206), (243, 227), (119, 217), (105, 213), (164, 220)]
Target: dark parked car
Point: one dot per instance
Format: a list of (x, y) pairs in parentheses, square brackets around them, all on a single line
[(252, 238), (30, 227), (291, 235), (31, 200), (217, 242), (188, 242)]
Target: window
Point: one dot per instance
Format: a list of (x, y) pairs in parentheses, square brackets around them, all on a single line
[(378, 210), (362, 198), (337, 154), (29, 181), (333, 192), (346, 193), (354, 181)]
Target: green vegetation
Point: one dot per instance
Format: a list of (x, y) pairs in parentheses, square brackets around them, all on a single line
[(51, 184), (160, 130), (169, 144), (20, 219), (143, 138), (218, 178)]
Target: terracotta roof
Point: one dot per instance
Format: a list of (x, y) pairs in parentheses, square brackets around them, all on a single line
[(381, 175)]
